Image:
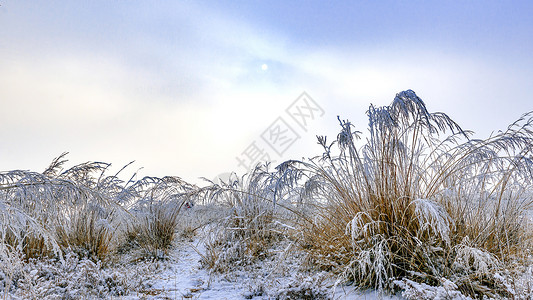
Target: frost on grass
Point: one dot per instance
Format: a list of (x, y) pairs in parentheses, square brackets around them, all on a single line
[(474, 259), (433, 218), (75, 278), (257, 216), (419, 199), (417, 205), (420, 291), (84, 211), (305, 287)]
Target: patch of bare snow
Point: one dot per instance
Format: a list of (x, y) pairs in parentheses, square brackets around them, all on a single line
[(184, 278)]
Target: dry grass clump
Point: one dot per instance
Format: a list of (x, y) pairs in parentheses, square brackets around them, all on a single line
[(18, 231), (88, 234), (256, 213), (411, 204), (84, 213), (84, 210), (156, 215), (74, 207), (154, 231)]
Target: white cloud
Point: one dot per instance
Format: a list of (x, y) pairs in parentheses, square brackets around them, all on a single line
[(180, 89)]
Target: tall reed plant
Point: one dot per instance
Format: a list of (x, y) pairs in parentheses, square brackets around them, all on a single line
[(420, 199)]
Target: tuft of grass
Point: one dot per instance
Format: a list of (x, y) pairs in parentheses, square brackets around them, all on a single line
[(156, 214), (155, 231), (88, 234), (59, 203), (84, 210), (408, 203), (256, 212)]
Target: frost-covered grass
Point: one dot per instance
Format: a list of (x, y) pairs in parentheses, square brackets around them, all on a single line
[(84, 212), (420, 201), (415, 208), (254, 217)]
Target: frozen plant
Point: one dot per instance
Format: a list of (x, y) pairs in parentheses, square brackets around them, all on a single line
[(400, 203)]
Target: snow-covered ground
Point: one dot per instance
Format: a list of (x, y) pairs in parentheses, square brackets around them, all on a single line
[(183, 277)]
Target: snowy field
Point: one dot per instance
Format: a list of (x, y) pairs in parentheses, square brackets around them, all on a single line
[(406, 216), (183, 275), (180, 275)]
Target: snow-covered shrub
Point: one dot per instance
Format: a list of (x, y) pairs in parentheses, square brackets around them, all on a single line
[(17, 231), (84, 210), (88, 215), (73, 208), (87, 233)]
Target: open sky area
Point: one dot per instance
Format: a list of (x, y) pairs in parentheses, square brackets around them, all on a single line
[(199, 88)]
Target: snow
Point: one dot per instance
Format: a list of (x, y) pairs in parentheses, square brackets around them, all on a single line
[(184, 277)]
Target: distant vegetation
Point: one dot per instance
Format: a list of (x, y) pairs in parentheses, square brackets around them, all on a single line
[(415, 201)]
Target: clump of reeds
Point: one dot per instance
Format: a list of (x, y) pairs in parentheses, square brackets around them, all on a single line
[(78, 206), (156, 214), (419, 199), (84, 212), (255, 215), (82, 209), (88, 233)]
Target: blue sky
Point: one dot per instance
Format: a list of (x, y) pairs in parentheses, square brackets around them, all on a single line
[(179, 86)]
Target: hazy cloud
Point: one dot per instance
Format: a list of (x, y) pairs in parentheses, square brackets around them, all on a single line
[(179, 86)]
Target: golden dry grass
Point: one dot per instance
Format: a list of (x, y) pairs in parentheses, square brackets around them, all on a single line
[(411, 204)]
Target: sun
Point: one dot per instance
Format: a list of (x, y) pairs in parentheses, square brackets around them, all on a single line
[(264, 67)]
